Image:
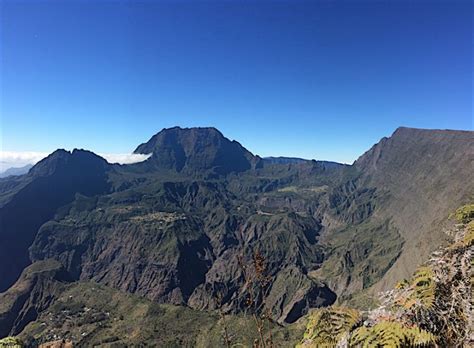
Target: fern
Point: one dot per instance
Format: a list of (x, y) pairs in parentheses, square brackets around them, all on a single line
[(424, 287), (10, 342), (391, 335), (420, 290), (432, 309), (402, 284), (328, 326), (468, 239), (465, 213)]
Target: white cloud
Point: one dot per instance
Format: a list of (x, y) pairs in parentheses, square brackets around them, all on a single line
[(13, 159), (9, 159), (124, 158)]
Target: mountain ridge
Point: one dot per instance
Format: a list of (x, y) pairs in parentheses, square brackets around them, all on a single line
[(392, 165), (177, 227), (15, 171)]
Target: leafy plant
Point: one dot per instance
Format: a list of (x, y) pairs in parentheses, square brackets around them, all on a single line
[(391, 334), (432, 309), (465, 213), (328, 326), (424, 286), (10, 342), (468, 239)]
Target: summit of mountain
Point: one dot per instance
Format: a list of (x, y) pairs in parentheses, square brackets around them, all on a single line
[(198, 149)]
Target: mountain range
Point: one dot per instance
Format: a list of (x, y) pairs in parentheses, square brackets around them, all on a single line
[(15, 171), (181, 227)]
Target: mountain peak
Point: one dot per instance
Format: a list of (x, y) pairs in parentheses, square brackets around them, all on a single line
[(407, 145), (196, 149), (410, 131), (179, 129), (77, 159)]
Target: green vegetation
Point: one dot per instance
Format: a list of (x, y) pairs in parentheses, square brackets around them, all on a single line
[(337, 326), (465, 213), (360, 255), (173, 231), (328, 326), (391, 334), (423, 288), (90, 314), (431, 309), (11, 342)]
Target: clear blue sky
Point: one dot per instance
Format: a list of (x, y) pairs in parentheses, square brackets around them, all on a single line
[(320, 79)]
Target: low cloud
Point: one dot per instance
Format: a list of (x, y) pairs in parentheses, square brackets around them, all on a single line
[(124, 158), (15, 159)]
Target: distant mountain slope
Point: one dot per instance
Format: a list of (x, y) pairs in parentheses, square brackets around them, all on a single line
[(16, 171), (295, 160), (284, 160)]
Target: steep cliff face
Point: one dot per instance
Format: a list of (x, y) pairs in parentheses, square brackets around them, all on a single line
[(433, 308), (37, 287), (161, 256), (34, 199), (424, 174), (389, 210)]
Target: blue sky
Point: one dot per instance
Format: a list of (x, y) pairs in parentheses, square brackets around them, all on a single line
[(315, 79)]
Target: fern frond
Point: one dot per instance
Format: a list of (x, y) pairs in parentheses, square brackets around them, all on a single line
[(424, 286), (468, 239), (402, 284), (328, 326), (465, 213), (10, 342), (391, 334)]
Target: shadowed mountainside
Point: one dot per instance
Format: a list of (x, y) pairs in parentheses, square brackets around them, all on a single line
[(196, 151), (35, 198)]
